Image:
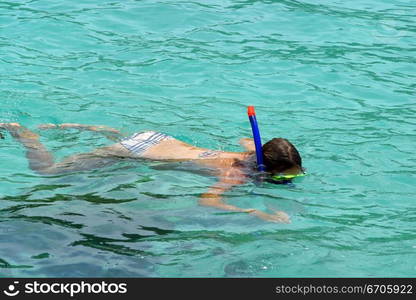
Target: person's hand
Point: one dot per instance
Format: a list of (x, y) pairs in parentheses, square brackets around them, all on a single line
[(277, 217)]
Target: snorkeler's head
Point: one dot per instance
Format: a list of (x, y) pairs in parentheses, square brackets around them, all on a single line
[(281, 156)]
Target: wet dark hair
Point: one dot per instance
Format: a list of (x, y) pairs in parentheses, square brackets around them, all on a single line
[(279, 155)]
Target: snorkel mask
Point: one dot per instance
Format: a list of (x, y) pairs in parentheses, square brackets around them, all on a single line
[(284, 178), (279, 178)]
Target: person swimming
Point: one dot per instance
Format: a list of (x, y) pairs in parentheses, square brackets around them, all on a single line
[(281, 159)]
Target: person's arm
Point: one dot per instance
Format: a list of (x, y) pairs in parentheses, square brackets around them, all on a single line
[(213, 198), (248, 144), (110, 133)]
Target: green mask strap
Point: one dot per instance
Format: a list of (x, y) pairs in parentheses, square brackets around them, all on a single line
[(287, 177)]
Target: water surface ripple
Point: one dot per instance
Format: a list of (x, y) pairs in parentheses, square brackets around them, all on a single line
[(337, 79)]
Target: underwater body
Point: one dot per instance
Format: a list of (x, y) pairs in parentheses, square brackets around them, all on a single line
[(336, 79)]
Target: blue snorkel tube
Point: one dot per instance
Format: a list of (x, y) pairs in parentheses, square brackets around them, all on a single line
[(257, 139), (279, 178)]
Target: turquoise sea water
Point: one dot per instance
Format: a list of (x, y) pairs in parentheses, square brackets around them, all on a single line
[(336, 78)]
